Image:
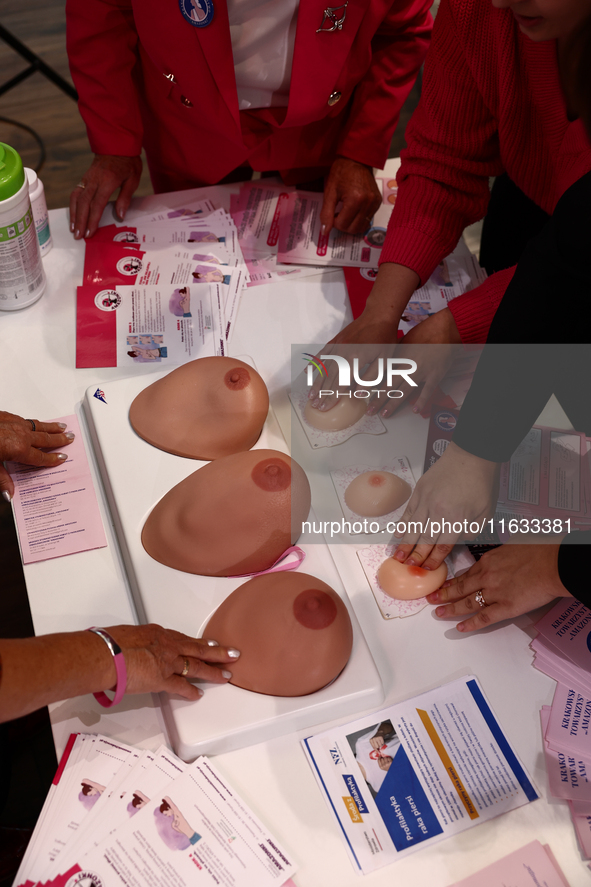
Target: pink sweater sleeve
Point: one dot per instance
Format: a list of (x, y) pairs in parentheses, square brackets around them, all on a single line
[(452, 150), (473, 312)]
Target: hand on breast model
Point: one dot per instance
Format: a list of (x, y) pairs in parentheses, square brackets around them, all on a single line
[(293, 632), (347, 412), (409, 583)]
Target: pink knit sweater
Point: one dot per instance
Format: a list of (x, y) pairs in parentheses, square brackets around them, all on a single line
[(491, 102)]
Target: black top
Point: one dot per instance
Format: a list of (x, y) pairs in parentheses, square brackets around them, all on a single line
[(549, 302)]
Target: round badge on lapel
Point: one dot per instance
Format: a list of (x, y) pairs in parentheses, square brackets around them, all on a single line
[(197, 12)]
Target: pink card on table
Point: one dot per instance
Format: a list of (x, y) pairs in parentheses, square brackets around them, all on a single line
[(569, 726), (568, 627), (55, 509), (568, 775), (532, 864)]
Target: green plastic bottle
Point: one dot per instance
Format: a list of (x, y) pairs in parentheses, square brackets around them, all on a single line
[(22, 277)]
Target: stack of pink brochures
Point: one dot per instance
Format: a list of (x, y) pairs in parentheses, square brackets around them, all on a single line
[(532, 864), (563, 651)]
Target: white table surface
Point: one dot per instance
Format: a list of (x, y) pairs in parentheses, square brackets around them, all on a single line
[(38, 378)]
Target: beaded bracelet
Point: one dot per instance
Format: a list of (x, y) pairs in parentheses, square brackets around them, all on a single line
[(120, 668)]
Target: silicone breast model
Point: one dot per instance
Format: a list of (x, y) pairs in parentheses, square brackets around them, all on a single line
[(375, 493), (205, 409), (408, 583), (234, 516), (293, 632), (347, 412)]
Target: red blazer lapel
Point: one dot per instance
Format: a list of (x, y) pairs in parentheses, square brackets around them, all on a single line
[(318, 58)]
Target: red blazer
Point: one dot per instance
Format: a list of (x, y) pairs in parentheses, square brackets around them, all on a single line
[(147, 77)]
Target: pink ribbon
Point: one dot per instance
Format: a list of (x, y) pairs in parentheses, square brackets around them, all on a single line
[(278, 566)]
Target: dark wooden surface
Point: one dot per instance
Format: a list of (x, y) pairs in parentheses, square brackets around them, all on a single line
[(38, 103)]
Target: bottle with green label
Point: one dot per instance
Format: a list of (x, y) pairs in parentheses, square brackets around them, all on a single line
[(22, 278)]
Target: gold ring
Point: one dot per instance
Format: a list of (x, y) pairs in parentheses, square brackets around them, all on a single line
[(81, 185), (185, 670), (479, 598)]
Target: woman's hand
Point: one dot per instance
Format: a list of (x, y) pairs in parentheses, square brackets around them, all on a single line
[(156, 657), (48, 668), (378, 324), (107, 172), (512, 580), (19, 443), (458, 488), (355, 186)]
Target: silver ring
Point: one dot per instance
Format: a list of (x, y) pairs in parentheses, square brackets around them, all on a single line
[(81, 185), (33, 426), (185, 670), (479, 598)]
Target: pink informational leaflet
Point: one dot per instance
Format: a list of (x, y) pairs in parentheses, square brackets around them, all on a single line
[(582, 824), (532, 864), (568, 627), (569, 724), (568, 775), (55, 509)]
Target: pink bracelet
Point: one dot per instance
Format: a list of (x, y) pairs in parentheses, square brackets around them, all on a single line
[(120, 668)]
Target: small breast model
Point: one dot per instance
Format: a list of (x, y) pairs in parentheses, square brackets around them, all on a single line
[(205, 409), (374, 493), (234, 516), (409, 583), (293, 632), (346, 412)]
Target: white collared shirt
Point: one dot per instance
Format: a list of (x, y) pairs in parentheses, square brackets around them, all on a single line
[(263, 37)]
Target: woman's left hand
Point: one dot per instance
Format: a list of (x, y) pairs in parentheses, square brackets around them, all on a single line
[(354, 184), (512, 580), (20, 443)]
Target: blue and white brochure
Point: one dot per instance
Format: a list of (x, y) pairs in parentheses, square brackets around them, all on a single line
[(417, 772)]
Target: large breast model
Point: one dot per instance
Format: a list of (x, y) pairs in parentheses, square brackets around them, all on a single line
[(232, 517), (205, 409), (293, 632)]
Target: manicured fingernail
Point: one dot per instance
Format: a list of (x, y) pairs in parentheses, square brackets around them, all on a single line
[(440, 611), (461, 627), (62, 425), (315, 404), (415, 409), (233, 653), (87, 232), (77, 234), (433, 598), (199, 690), (323, 230), (446, 583), (411, 563), (399, 555), (70, 435), (71, 226), (6, 495), (384, 413), (227, 674), (62, 456), (426, 568), (212, 643)]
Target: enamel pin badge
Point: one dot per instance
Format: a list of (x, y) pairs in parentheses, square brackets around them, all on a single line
[(333, 19), (198, 13)]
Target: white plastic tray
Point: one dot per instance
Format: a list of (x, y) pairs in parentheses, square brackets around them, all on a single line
[(136, 475)]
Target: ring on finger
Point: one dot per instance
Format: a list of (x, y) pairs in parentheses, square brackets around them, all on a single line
[(479, 598), (33, 426), (81, 185), (185, 670)]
